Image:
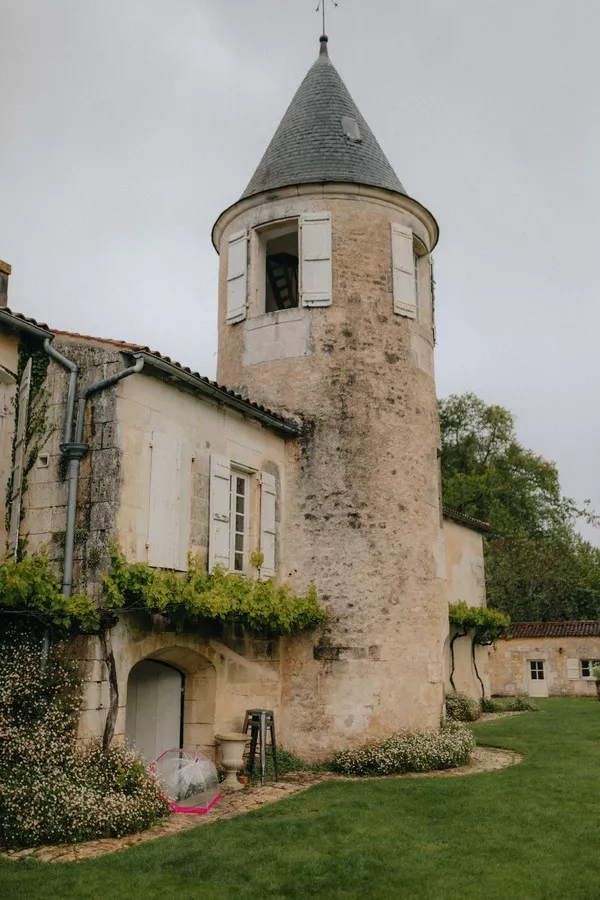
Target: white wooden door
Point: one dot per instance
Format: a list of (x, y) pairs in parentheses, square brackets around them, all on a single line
[(153, 721), (537, 678)]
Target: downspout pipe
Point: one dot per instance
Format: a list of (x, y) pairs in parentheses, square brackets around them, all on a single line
[(70, 366), (73, 371), (74, 451)]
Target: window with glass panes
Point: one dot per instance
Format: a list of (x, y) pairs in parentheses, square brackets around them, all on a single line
[(537, 669), (587, 667), (238, 521)]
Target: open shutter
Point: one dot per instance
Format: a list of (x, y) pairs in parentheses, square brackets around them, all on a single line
[(237, 277), (315, 268), (573, 669), (267, 523), (17, 472), (403, 263), (218, 541), (169, 519)]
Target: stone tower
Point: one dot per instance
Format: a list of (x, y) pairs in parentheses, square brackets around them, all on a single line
[(326, 314)]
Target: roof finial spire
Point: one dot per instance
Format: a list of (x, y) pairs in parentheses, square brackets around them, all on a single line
[(321, 7)]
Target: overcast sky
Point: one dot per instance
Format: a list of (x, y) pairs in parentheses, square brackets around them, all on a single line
[(127, 126)]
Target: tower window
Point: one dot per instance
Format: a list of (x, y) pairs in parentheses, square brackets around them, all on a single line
[(281, 268)]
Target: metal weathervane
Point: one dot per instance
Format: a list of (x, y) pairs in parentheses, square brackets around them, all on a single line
[(322, 7)]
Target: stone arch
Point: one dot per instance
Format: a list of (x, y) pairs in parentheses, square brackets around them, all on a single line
[(200, 683)]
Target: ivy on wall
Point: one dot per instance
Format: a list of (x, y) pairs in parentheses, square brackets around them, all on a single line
[(38, 428)]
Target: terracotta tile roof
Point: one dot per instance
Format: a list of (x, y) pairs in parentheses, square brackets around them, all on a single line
[(586, 628), (204, 385), (475, 524)]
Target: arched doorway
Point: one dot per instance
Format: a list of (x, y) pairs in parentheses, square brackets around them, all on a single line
[(154, 719)]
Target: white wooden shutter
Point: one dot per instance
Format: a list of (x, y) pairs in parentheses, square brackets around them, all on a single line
[(315, 267), (268, 492), (17, 472), (169, 518), (403, 264), (573, 669), (237, 276), (219, 505)]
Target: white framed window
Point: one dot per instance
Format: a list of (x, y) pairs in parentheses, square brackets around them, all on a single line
[(536, 669), (291, 263), (239, 520), (587, 667), (278, 265), (242, 517)]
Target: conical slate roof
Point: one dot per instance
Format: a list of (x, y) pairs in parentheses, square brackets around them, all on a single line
[(323, 137)]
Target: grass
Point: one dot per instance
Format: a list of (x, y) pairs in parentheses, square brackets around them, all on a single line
[(525, 832)]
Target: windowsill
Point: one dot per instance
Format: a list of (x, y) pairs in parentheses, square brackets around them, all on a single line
[(280, 316)]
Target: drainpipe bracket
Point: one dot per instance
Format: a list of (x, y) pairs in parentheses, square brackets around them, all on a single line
[(74, 450)]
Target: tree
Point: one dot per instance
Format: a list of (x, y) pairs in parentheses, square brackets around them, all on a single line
[(537, 565)]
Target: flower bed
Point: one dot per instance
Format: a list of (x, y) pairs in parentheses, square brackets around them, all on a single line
[(421, 751)]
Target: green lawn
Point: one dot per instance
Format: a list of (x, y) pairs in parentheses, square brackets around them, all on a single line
[(529, 831)]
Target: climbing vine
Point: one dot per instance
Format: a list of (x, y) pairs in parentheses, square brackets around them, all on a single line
[(38, 428), (29, 586), (486, 626), (224, 596)]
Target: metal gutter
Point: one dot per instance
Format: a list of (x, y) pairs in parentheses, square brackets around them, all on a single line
[(286, 427), (13, 321)]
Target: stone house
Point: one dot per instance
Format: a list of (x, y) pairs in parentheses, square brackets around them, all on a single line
[(331, 468), (546, 659)]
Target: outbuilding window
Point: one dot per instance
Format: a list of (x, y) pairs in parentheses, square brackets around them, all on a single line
[(537, 669), (587, 667)]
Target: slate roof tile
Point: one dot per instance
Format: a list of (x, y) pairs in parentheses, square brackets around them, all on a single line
[(310, 144)]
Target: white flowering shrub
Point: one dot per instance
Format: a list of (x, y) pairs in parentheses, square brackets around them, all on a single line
[(520, 703), (462, 708), (53, 790), (420, 751)]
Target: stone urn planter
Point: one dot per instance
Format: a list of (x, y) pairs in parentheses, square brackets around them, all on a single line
[(233, 745)]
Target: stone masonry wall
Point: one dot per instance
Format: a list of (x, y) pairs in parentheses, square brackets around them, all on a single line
[(363, 508), (100, 475)]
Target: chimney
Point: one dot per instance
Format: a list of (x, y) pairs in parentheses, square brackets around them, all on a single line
[(4, 273)]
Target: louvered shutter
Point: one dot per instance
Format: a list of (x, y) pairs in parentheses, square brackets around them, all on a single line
[(17, 472), (219, 505), (169, 517), (573, 669), (237, 277), (403, 263), (268, 492), (315, 267)]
